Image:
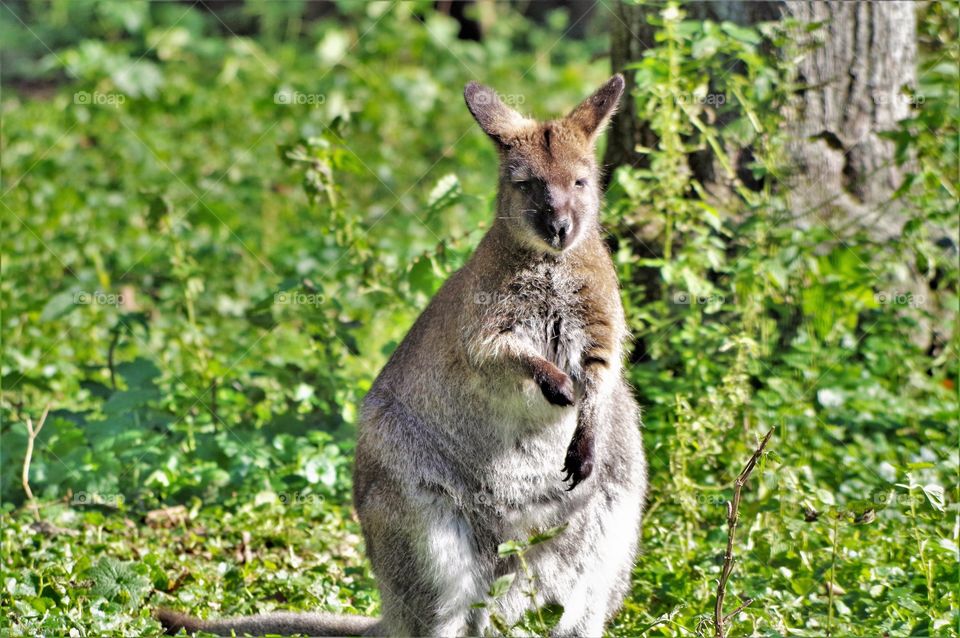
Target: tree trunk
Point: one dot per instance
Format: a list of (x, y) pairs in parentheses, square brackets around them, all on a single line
[(843, 171), (854, 86)]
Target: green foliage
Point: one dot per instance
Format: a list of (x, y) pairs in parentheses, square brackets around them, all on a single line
[(115, 581), (180, 296), (748, 322), (213, 242), (543, 617)]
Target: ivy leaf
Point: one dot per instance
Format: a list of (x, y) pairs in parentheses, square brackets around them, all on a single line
[(118, 581)]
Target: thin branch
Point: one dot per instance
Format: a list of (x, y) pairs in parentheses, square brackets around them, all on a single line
[(32, 433), (733, 513), (736, 611)]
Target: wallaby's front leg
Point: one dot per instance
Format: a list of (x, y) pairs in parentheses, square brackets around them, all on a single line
[(503, 346), (579, 460), (602, 353), (554, 383)]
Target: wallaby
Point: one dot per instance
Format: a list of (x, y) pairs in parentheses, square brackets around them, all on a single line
[(503, 412)]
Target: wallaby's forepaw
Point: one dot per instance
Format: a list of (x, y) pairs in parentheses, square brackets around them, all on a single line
[(556, 385), (578, 463)]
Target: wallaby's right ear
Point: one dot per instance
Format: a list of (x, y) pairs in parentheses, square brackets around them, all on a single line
[(595, 111), (497, 120)]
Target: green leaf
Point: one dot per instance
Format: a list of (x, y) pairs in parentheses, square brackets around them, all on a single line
[(118, 582), (743, 34), (543, 537), (445, 193), (510, 548), (139, 373), (551, 614), (501, 585), (422, 276), (127, 400), (59, 305), (935, 495)]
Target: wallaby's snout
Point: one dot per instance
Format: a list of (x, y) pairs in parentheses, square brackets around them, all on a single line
[(546, 209), (560, 216), (549, 179), (559, 230)]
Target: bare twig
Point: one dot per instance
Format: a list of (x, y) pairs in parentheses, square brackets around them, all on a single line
[(733, 513), (32, 433), (743, 605)]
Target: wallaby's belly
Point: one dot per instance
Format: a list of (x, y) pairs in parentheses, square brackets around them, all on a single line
[(454, 459), (524, 483)]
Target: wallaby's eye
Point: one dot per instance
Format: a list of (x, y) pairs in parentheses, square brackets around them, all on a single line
[(524, 185), (580, 183)]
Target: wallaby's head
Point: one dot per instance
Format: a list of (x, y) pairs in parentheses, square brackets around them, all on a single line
[(549, 181)]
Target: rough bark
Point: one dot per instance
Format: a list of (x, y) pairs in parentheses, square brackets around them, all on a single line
[(843, 171)]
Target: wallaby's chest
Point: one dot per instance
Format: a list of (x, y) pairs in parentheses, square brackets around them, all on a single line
[(544, 308)]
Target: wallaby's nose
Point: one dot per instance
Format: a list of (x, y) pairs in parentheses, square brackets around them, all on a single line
[(559, 227)]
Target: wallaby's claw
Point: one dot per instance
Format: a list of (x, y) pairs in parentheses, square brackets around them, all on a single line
[(557, 387), (578, 463)]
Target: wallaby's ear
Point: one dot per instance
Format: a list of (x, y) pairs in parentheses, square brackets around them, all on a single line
[(594, 112), (497, 120)]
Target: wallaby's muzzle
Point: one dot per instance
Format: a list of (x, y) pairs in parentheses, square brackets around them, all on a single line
[(558, 231)]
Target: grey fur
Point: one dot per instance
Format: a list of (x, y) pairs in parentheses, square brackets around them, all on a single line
[(464, 435)]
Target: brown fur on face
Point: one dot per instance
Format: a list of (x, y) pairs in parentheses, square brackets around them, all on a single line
[(549, 189)]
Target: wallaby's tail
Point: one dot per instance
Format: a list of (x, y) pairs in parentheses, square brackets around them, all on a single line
[(282, 622)]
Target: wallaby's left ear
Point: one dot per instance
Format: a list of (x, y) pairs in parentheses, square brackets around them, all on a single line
[(497, 120), (595, 111)]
